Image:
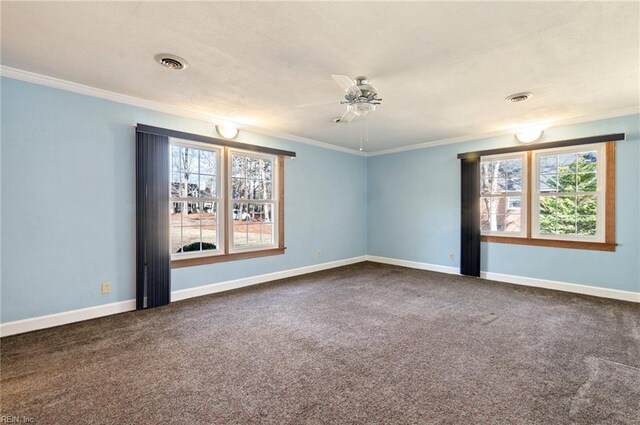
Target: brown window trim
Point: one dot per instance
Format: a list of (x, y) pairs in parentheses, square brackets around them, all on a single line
[(218, 258), (210, 259), (609, 243)]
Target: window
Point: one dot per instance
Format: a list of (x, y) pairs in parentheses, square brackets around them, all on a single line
[(224, 203), (195, 200), (569, 200), (252, 203), (502, 194), (569, 193)]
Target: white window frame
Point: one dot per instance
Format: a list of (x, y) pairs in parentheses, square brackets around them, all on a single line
[(523, 194), (274, 200), (601, 179), (219, 199)]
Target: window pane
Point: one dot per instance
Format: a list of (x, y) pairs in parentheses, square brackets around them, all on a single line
[(190, 239), (175, 184), (514, 184), (548, 205), (586, 225), (267, 233), (513, 203), (191, 215), (484, 223), (566, 205), (253, 224), (238, 166), (192, 185), (548, 164), (208, 162), (566, 224), (548, 183), (207, 186), (586, 205), (175, 221), (253, 169), (548, 210), (176, 238), (209, 222), (513, 221), (209, 238), (190, 160), (268, 190), (494, 205), (566, 181), (567, 161), (587, 162), (175, 159), (494, 222), (497, 222), (241, 219), (587, 182)]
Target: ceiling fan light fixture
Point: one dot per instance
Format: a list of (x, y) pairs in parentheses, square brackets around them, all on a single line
[(361, 108), (227, 131)]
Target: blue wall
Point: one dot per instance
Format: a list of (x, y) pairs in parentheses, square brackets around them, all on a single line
[(68, 202), (414, 212), (68, 210)]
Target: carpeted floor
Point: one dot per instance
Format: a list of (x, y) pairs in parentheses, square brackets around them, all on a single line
[(367, 343)]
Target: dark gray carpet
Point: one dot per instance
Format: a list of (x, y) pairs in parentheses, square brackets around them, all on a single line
[(366, 343)]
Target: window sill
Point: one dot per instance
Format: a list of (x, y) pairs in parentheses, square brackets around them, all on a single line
[(198, 261), (594, 246)]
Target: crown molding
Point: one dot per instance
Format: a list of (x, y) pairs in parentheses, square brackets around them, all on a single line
[(508, 131), (57, 83)]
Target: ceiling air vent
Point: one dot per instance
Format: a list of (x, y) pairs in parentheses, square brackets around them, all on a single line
[(173, 62), (518, 97)]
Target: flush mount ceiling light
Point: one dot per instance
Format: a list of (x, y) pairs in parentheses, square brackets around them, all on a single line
[(518, 97), (172, 62), (227, 131), (529, 135)]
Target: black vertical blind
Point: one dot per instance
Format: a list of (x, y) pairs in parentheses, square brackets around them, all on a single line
[(153, 258), (470, 217)]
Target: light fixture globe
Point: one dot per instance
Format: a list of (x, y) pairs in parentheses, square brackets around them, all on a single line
[(529, 135), (361, 108), (227, 131)]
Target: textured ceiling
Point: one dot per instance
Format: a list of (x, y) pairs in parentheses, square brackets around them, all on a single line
[(443, 69)]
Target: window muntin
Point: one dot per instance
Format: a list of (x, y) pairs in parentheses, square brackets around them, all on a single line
[(568, 196), (195, 199), (503, 195), (253, 203)]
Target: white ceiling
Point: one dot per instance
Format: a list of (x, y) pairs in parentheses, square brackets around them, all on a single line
[(443, 69)]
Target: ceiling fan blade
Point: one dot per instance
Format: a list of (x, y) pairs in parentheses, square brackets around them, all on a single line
[(347, 117), (326, 102), (347, 84)]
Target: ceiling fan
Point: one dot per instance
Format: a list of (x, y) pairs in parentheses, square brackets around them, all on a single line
[(360, 97)]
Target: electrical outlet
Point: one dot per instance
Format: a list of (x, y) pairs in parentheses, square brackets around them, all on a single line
[(106, 288), (452, 256)]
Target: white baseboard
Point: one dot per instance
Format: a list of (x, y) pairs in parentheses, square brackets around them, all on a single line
[(57, 319), (595, 291), (414, 264)]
